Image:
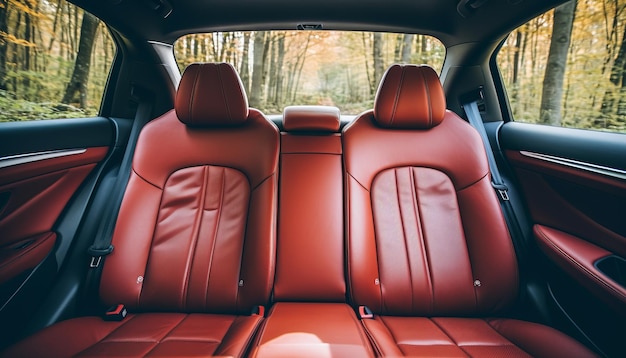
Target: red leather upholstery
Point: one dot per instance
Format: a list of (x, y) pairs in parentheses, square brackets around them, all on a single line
[(311, 118), (411, 98), (578, 257), (211, 94), (309, 264), (37, 189), (463, 337), (154, 334), (313, 330), (426, 236), (195, 233), (310, 248)]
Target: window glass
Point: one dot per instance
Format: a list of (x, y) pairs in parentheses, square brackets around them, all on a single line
[(567, 67), (54, 60), (281, 68)]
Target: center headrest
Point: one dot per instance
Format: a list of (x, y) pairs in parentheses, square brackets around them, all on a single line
[(311, 119), (409, 96), (211, 94)]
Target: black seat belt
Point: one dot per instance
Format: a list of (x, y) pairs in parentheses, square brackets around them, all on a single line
[(470, 106), (101, 246)]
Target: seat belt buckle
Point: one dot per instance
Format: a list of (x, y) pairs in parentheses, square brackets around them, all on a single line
[(115, 313), (365, 312), (258, 311), (503, 191)]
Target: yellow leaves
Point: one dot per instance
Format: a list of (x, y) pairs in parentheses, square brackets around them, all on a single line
[(12, 39), (26, 6)]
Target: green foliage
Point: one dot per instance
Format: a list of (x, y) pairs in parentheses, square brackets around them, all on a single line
[(38, 69), (14, 110)]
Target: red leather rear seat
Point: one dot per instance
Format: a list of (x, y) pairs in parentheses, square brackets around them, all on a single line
[(195, 234), (311, 318), (426, 237)]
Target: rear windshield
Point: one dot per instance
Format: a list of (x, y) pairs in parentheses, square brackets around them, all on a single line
[(281, 68)]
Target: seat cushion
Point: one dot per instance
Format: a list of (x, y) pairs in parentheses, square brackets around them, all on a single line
[(468, 337), (311, 330), (150, 334)]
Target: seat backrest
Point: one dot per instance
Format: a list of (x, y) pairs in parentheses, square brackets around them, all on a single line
[(196, 229), (425, 232), (310, 244)]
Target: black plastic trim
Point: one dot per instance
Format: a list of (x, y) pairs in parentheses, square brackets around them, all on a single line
[(54, 134), (600, 148)]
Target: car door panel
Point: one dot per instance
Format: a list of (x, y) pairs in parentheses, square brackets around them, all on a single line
[(574, 186), (42, 166)]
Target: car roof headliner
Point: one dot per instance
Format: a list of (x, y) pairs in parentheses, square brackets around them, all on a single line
[(139, 20)]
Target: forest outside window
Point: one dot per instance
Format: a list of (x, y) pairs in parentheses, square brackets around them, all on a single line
[(54, 60), (281, 68), (580, 79)]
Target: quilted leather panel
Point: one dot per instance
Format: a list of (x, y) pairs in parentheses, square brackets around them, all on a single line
[(469, 337), (150, 334), (199, 235), (424, 263)]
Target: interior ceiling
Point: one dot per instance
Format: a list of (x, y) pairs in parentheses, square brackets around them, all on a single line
[(144, 19)]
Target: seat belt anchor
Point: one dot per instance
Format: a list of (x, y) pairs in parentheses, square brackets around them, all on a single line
[(97, 254), (503, 191), (477, 95)]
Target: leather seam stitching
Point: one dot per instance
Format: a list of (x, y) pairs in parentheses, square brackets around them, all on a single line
[(215, 236), (404, 235), (356, 180), (106, 336), (193, 93), (149, 182), (424, 244), (195, 233), (221, 81), (429, 104), (447, 334), (397, 99), (472, 183)]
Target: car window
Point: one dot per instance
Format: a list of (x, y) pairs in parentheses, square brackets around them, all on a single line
[(280, 68), (54, 60), (567, 67)]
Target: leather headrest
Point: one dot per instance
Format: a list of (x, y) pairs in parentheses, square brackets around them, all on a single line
[(311, 119), (211, 94), (409, 96)]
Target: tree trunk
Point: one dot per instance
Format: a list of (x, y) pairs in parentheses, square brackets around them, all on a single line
[(256, 88), (407, 48), (300, 66), (365, 51), (4, 45), (397, 52), (379, 65), (552, 94), (273, 70), (244, 71), (616, 78), (280, 76), (80, 74)]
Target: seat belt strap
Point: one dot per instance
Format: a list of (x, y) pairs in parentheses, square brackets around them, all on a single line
[(101, 246), (470, 106), (475, 119)]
